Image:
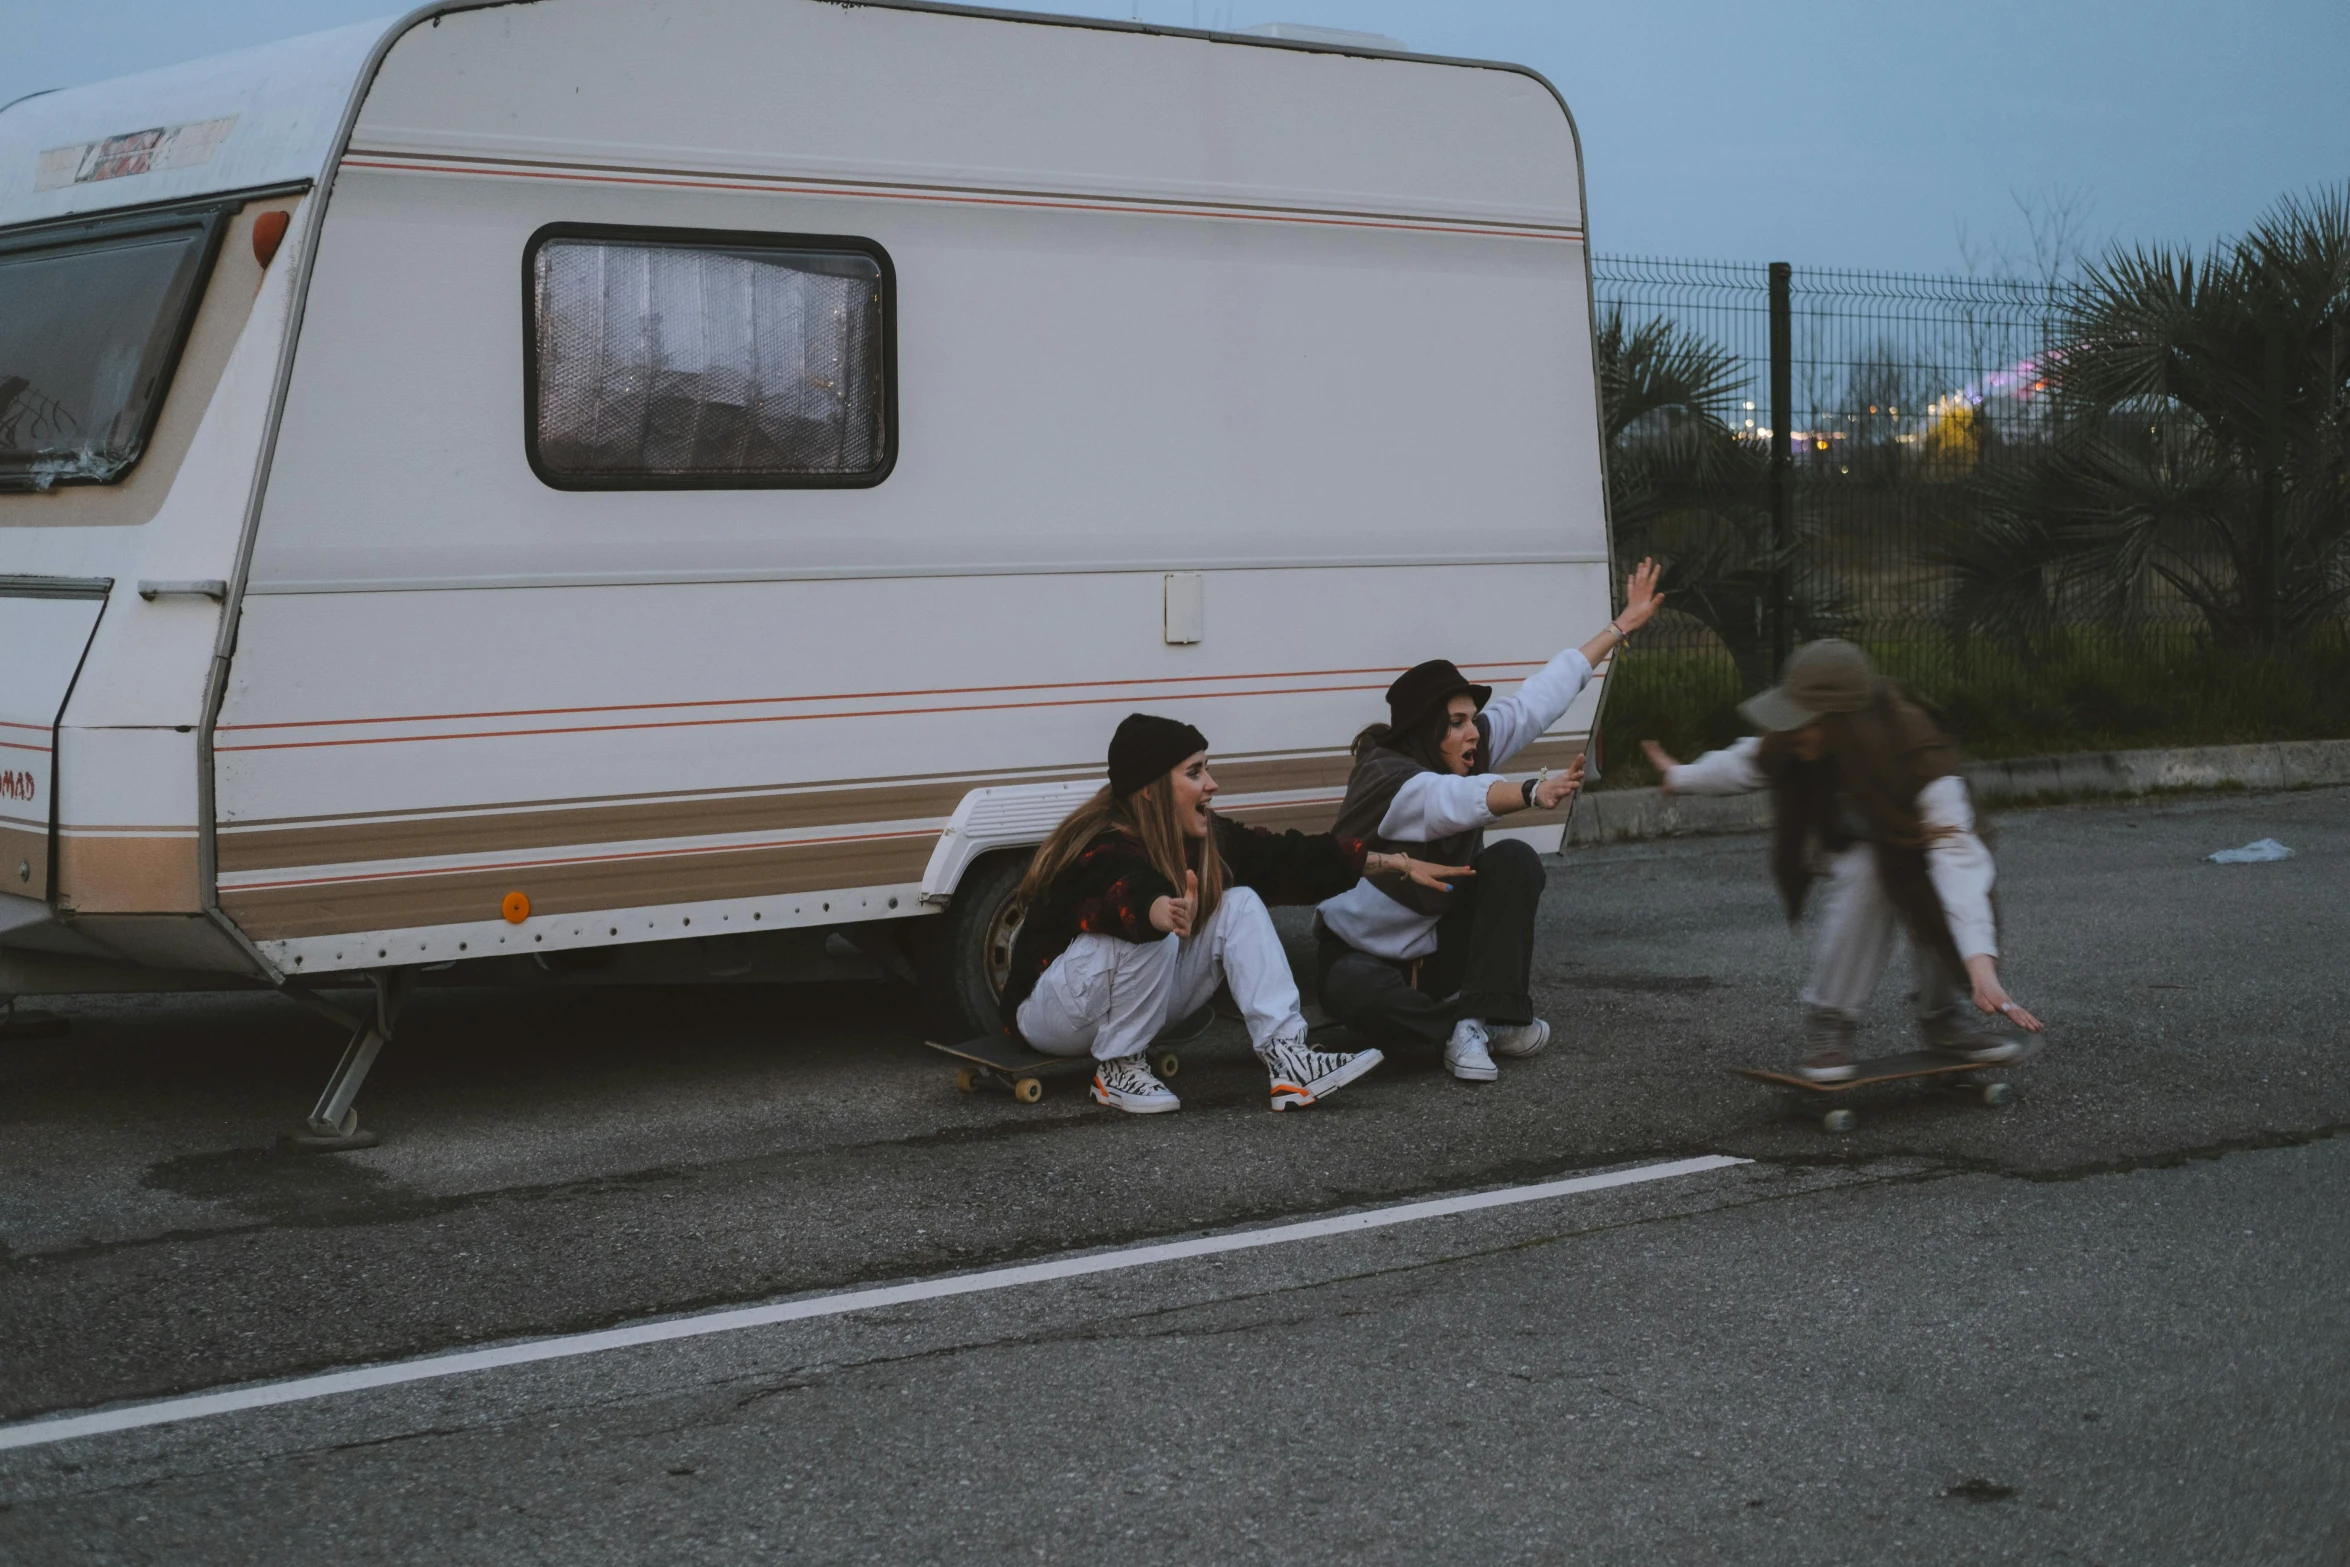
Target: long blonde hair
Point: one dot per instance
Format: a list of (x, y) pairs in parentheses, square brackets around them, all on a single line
[(1147, 814)]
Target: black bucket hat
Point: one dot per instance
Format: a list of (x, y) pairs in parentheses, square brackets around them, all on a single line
[(1423, 688)]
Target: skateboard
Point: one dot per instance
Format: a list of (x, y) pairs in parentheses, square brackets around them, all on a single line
[(1006, 1063), (1931, 1066)]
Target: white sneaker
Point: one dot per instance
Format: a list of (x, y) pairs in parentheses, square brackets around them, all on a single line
[(1302, 1075), (1129, 1084), (1464, 1053), (1518, 1039)]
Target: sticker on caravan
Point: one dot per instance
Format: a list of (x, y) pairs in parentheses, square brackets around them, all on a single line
[(18, 786), (133, 152)]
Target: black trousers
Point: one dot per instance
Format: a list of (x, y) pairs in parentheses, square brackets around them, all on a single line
[(1484, 950)]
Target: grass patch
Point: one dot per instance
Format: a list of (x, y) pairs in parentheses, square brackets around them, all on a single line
[(2091, 691)]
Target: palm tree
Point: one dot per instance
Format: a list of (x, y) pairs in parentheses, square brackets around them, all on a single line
[(2200, 440), (1685, 487)]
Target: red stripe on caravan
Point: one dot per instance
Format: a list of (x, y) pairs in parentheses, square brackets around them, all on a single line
[(765, 718), (846, 696)]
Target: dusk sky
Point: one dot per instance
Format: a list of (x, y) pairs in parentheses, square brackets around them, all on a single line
[(1836, 133)]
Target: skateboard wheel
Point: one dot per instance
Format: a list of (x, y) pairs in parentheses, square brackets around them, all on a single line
[(1839, 1121), (1998, 1093), (967, 1080), (1168, 1064), (1028, 1090)]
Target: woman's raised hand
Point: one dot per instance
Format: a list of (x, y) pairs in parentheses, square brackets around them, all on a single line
[(1557, 787), (1174, 915), (1640, 596)]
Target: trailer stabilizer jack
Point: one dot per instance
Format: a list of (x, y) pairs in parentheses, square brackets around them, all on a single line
[(333, 1126)]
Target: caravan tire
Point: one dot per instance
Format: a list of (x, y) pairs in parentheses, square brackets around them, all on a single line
[(967, 963)]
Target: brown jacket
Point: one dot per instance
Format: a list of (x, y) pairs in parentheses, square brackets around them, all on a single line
[(1864, 788)]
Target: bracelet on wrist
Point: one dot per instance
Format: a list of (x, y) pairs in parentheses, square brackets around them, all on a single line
[(1526, 791)]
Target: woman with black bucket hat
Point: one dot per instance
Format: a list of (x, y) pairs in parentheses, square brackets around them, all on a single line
[(1444, 952), (1145, 900), (1867, 792)]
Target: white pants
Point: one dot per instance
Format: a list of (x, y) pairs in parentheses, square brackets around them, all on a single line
[(1858, 927), (1112, 997)]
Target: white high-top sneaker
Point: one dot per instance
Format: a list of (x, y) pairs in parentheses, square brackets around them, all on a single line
[(1129, 1084), (1465, 1054), (1518, 1039)]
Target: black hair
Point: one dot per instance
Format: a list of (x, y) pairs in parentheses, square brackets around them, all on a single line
[(1423, 742)]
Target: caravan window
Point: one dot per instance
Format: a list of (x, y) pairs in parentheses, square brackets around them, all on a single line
[(667, 359), (92, 319)]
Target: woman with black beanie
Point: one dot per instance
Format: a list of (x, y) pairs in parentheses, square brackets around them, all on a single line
[(1145, 900), (1449, 957)]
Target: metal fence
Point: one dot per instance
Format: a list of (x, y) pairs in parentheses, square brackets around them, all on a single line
[(1891, 390)]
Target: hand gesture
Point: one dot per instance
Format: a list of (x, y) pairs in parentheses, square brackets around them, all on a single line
[(1558, 786), (1439, 877), (1641, 598), (1660, 759), (1174, 915), (1992, 997)]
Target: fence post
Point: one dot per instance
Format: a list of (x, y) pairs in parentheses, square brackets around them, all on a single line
[(2272, 480), (1782, 609)]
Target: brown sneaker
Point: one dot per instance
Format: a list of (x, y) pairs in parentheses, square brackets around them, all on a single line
[(1954, 1031), (1827, 1056)]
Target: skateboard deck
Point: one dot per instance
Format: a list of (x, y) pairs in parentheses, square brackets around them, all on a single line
[(1965, 1076), (1004, 1062)]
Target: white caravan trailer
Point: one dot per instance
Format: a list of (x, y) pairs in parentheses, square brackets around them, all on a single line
[(633, 489)]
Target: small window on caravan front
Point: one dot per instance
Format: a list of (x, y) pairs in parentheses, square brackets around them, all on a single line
[(675, 359), (92, 319)]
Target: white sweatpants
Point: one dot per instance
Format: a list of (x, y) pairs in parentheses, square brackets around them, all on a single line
[(1112, 997), (1858, 927)]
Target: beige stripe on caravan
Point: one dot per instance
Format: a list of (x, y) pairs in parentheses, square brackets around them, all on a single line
[(129, 873), (500, 830), (617, 882), (400, 900), (24, 862)]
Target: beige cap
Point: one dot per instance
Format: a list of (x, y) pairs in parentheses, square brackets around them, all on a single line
[(1828, 676)]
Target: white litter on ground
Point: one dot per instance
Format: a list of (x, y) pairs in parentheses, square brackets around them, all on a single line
[(2255, 853)]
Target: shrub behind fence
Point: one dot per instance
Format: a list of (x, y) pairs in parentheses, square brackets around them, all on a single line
[(1863, 509)]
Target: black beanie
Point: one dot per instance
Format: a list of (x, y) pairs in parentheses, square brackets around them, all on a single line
[(1146, 746)]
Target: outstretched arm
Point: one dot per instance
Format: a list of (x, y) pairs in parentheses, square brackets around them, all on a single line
[(1731, 771), (1641, 600), (1959, 865), (1514, 719)]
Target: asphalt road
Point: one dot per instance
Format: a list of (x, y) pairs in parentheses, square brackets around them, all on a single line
[(2109, 1323)]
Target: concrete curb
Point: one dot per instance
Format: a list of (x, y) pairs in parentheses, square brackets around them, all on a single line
[(1622, 815)]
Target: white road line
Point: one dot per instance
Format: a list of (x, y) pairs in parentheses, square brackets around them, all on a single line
[(197, 1406)]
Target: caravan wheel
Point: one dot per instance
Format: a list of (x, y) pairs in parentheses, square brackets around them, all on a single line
[(972, 956)]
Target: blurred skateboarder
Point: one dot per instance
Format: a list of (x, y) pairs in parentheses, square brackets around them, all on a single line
[(1866, 792)]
